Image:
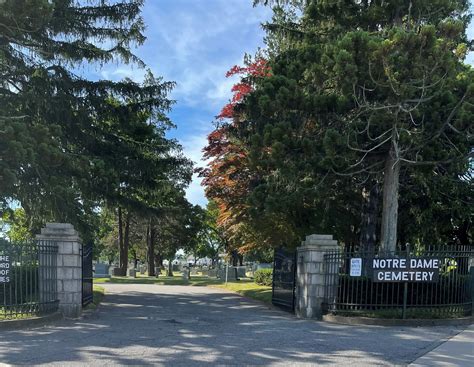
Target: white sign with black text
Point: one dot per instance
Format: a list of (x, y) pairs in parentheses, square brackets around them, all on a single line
[(4, 269), (356, 267)]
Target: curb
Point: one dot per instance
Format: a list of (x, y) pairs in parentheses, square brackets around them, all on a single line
[(347, 320), (29, 323)]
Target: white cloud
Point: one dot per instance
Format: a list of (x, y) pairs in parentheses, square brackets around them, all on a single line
[(195, 192), (124, 71), (195, 42), (221, 91), (192, 147)]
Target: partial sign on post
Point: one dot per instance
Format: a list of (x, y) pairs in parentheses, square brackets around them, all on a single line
[(356, 267), (406, 270), (4, 269)]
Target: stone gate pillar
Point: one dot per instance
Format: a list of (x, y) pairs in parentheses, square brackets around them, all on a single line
[(310, 285), (69, 266)]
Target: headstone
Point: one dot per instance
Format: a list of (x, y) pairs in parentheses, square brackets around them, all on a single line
[(101, 270), (241, 270), (263, 266), (249, 271), (132, 273), (157, 271), (231, 273), (116, 272), (186, 273), (212, 273)]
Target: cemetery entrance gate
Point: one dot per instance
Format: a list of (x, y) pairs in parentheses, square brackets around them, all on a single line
[(87, 293), (284, 274)]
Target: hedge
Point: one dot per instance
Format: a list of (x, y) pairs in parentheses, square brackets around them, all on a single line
[(264, 277)]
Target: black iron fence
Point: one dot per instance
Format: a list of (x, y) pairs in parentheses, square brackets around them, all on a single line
[(87, 274), (432, 283), (28, 283), (284, 273)]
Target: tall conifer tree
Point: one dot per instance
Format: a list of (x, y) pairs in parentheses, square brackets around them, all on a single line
[(69, 143)]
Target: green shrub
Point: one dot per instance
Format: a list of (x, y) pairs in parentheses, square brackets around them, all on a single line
[(264, 277)]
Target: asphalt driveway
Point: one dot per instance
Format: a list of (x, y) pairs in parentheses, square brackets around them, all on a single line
[(141, 324)]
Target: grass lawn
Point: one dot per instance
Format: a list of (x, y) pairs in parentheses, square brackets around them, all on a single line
[(97, 296), (245, 287), (249, 289), (6, 315)]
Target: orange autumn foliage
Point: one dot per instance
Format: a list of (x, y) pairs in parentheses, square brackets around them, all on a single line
[(226, 178)]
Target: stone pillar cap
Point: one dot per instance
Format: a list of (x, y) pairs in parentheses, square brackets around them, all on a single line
[(320, 241), (319, 237), (53, 231)]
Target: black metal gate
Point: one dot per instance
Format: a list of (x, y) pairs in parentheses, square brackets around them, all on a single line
[(87, 294), (284, 274), (28, 279)]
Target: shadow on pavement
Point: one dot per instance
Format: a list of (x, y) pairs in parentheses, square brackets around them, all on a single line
[(149, 325)]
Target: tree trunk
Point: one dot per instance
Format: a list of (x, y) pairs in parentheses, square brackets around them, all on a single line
[(120, 243), (368, 230), (462, 234), (234, 258), (158, 263), (158, 260), (151, 249), (170, 268), (135, 260), (390, 203), (125, 245)]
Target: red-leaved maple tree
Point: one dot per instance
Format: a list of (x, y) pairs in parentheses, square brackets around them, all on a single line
[(226, 177)]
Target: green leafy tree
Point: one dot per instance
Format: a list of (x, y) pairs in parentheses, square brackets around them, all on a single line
[(210, 239), (15, 225)]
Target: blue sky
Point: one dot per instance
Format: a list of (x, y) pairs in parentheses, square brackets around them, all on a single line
[(194, 43)]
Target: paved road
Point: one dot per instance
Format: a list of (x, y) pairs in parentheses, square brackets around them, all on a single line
[(185, 326)]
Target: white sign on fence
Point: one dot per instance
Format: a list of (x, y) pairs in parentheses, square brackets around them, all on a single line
[(4, 269), (356, 267)]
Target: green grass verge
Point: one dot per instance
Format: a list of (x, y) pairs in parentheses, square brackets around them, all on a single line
[(5, 315), (249, 289), (245, 287), (97, 296)]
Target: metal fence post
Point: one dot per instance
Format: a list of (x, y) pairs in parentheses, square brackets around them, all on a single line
[(405, 288)]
